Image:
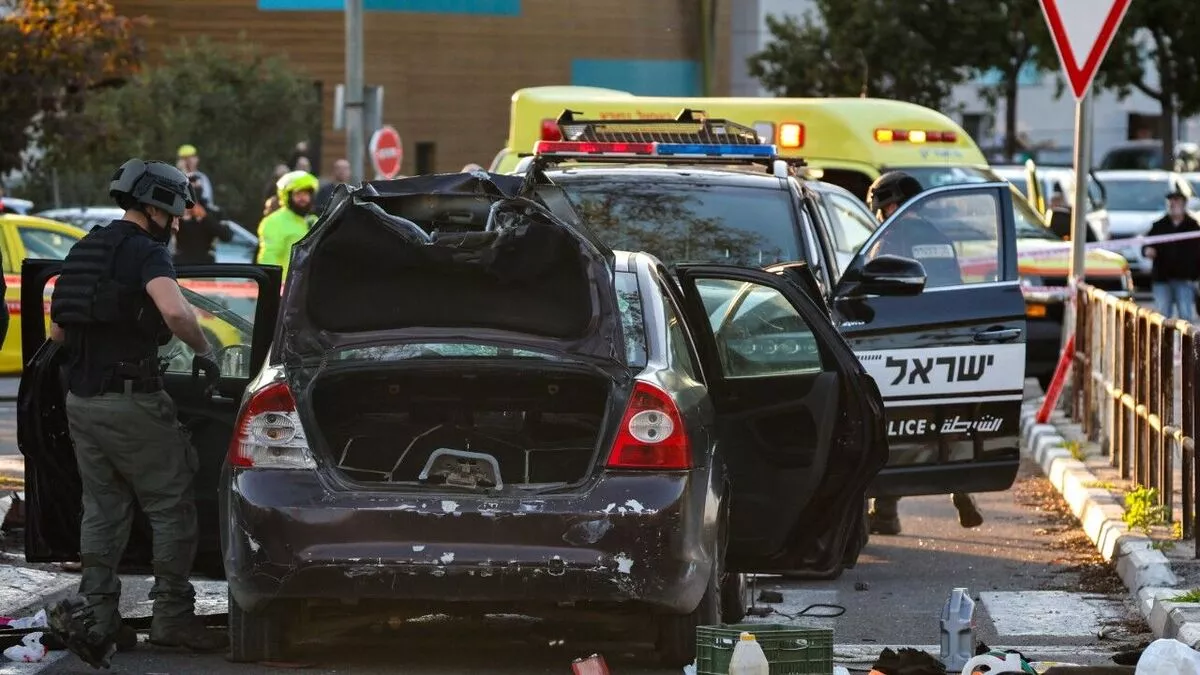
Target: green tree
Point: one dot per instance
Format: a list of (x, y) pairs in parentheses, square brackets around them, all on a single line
[(1156, 52), (911, 50), (243, 109), (53, 55), (1011, 38)]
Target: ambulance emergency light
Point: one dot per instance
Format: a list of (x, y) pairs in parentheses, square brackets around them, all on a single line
[(654, 149)]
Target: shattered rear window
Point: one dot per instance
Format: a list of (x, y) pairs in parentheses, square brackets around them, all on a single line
[(439, 350), (629, 299)]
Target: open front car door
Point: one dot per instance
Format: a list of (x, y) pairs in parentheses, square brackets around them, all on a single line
[(933, 308), (236, 306), (799, 421)]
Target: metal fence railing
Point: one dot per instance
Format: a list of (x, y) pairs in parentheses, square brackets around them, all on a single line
[(1133, 391)]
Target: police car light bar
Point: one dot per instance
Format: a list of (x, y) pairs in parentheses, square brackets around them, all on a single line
[(586, 148), (713, 150), (671, 150)]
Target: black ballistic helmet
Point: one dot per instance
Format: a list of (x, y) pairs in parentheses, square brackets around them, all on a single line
[(155, 184), (893, 187)]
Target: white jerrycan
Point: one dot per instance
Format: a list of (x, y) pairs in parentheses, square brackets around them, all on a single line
[(748, 658)]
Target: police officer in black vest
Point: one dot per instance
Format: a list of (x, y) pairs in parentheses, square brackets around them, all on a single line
[(114, 304)]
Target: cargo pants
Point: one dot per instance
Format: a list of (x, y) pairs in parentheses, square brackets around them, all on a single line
[(130, 446)]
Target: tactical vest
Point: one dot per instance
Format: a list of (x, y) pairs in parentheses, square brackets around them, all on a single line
[(87, 291)]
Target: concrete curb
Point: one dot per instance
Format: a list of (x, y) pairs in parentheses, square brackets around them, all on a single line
[(1145, 571)]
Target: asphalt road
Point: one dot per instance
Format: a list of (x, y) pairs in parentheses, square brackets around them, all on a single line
[(1039, 584), (1041, 587)]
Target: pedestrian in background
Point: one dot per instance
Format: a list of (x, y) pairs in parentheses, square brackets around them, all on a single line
[(200, 228), (288, 224), (341, 174), (190, 159), (1176, 263)]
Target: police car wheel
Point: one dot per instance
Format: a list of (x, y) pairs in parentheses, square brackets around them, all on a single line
[(256, 636)]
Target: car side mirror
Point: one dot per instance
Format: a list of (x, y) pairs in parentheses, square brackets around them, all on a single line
[(886, 275)]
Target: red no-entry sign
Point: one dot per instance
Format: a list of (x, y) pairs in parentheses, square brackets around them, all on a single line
[(1083, 30), (387, 152)]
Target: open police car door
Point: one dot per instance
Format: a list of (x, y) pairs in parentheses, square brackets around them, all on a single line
[(236, 306), (948, 354)]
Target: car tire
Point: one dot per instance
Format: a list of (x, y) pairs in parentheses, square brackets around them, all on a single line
[(1044, 381), (676, 644), (256, 636), (733, 597)]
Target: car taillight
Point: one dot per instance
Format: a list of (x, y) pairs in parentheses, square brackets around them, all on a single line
[(268, 434), (550, 130), (651, 434)]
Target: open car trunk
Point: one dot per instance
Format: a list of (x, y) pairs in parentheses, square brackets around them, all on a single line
[(460, 426)]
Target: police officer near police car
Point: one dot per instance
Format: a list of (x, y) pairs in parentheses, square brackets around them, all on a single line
[(920, 240), (116, 301)]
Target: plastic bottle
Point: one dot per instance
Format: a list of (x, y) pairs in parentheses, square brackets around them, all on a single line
[(748, 658), (958, 630)]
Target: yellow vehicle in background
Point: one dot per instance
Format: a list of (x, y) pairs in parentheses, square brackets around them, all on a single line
[(848, 142), (24, 237)]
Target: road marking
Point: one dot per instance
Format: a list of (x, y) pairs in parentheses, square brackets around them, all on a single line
[(1047, 613)]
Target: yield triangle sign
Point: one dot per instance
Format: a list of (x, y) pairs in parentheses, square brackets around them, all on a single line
[(1083, 30)]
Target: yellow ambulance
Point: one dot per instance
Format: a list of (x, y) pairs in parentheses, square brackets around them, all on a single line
[(848, 142)]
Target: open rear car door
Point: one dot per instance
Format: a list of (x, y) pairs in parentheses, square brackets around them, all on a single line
[(236, 306), (799, 421)]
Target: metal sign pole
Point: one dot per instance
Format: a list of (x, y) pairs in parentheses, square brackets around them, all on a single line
[(1079, 224), (356, 141)]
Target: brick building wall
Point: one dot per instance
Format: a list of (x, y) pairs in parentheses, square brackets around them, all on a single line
[(449, 67)]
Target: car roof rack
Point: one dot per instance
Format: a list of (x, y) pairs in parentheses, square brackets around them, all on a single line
[(689, 126)]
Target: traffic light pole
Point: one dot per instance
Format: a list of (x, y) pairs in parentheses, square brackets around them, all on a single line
[(356, 141)]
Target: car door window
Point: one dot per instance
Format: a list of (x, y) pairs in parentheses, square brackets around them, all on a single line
[(46, 244), (852, 225), (757, 330), (226, 310), (954, 235), (679, 344)]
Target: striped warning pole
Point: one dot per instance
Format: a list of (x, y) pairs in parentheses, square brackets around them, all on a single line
[(1059, 380), (592, 665)]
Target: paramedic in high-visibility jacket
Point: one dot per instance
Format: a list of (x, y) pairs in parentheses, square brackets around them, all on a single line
[(288, 224)]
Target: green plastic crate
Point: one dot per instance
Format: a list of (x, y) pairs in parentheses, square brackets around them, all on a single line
[(790, 650)]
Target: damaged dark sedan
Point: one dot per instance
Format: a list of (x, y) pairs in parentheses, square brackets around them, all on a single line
[(464, 401)]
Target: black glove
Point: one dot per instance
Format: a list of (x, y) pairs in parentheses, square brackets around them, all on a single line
[(205, 362)]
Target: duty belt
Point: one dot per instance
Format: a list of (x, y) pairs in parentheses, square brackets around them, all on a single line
[(120, 385)]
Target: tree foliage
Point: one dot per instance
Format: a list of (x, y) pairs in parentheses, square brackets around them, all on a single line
[(53, 55), (1157, 52), (242, 109), (1012, 37), (911, 50)]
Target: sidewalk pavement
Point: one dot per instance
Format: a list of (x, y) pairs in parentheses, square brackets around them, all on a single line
[(1144, 569)]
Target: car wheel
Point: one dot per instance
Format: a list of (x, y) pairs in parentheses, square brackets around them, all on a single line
[(733, 597), (1044, 381), (256, 636), (677, 632)]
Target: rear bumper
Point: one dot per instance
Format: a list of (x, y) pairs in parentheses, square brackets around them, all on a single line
[(283, 541), (940, 479)]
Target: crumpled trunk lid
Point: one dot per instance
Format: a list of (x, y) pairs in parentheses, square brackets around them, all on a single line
[(450, 258)]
